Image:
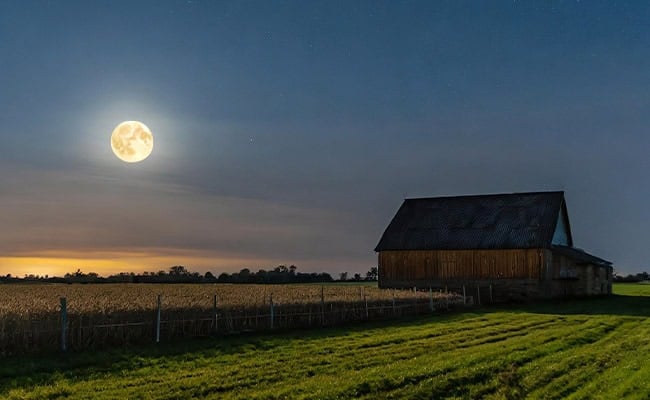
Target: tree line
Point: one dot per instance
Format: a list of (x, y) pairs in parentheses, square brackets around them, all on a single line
[(180, 274), (639, 277)]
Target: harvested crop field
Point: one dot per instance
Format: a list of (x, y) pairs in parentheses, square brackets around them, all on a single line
[(33, 300), (33, 317), (580, 349)]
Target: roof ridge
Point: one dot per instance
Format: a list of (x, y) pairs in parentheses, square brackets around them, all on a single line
[(486, 195)]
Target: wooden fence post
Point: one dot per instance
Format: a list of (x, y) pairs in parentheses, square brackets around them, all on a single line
[(393, 302), (158, 319), (272, 309), (464, 297), (491, 301), (446, 297), (415, 300), (430, 299), (478, 294), (215, 315), (365, 300), (322, 305), (64, 322)]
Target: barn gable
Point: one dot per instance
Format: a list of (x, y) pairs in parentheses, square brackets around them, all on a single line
[(562, 234), (499, 221)]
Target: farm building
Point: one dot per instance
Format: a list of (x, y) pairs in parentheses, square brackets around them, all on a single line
[(516, 246)]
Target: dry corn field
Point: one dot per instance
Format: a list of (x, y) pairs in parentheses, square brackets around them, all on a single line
[(111, 314)]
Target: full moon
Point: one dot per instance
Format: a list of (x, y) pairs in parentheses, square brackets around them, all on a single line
[(132, 141)]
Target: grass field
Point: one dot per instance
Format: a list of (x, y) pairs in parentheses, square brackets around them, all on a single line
[(576, 349)]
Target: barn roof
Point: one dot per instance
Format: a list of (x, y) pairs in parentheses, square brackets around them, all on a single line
[(495, 221), (579, 255)]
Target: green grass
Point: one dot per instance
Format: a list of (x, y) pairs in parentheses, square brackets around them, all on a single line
[(579, 349)]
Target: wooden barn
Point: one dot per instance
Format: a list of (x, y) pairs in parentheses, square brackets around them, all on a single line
[(504, 246)]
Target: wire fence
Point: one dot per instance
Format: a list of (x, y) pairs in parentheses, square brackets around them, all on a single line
[(66, 329)]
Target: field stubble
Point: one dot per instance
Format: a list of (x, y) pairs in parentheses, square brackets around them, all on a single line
[(115, 314)]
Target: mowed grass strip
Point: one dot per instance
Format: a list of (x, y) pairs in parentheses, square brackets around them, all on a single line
[(579, 349)]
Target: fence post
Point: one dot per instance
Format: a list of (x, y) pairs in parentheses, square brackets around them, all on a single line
[(64, 322), (393, 302), (322, 305), (158, 319), (214, 314), (446, 297), (272, 309), (430, 299), (478, 294), (365, 300), (491, 301), (415, 300)]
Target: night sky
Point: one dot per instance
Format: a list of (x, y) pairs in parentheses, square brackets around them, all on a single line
[(290, 132)]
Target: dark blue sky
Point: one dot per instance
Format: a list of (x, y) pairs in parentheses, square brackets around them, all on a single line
[(290, 132)]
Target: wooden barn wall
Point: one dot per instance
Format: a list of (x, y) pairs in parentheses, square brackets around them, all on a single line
[(447, 265), (572, 278)]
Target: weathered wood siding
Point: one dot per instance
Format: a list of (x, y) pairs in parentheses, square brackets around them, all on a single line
[(443, 265), (579, 279), (507, 274)]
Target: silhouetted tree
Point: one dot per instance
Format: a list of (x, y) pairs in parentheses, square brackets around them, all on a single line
[(209, 276), (372, 274), (178, 270)]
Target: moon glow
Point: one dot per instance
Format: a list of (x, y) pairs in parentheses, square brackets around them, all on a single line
[(132, 141)]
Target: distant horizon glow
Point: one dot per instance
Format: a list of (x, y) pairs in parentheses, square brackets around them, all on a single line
[(106, 265)]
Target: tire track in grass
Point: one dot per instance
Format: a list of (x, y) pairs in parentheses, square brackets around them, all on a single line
[(443, 329), (445, 344), (479, 361), (470, 383), (625, 375), (486, 356), (370, 355), (488, 386), (566, 371)]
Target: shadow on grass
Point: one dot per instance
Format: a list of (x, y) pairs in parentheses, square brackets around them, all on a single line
[(33, 370), (615, 305)]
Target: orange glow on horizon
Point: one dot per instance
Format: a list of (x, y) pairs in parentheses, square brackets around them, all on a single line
[(59, 263)]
